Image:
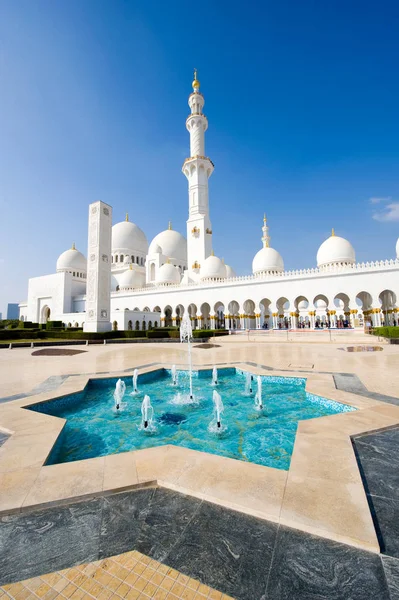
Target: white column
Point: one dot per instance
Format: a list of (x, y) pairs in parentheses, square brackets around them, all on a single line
[(212, 318), (257, 319), (98, 291)]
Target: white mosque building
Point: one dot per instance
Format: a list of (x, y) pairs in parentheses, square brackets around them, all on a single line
[(152, 285)]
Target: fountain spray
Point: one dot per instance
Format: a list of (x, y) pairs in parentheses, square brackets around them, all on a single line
[(186, 335)]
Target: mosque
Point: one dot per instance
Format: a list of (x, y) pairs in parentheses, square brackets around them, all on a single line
[(151, 285)]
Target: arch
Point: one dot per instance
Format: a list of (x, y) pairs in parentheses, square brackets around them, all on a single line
[(265, 314), (143, 326), (155, 324), (69, 325), (156, 309), (179, 313), (320, 298), (219, 315), (76, 324), (137, 325), (283, 320), (234, 311), (168, 316), (301, 303), (387, 300), (152, 272), (115, 326), (136, 309), (205, 311), (130, 325), (46, 313), (149, 324), (364, 300), (192, 311), (121, 258)]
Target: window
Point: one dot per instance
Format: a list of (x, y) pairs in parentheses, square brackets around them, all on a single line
[(121, 258), (116, 258), (137, 260)]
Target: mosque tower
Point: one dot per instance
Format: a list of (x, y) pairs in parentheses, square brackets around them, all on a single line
[(197, 168)]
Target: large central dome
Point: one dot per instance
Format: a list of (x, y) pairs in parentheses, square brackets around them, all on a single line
[(172, 244), (335, 251), (127, 237)]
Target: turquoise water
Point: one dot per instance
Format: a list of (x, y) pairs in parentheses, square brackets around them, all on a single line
[(266, 437)]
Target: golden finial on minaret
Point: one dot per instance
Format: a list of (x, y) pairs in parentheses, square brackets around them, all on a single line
[(127, 217), (168, 261), (264, 217), (131, 266), (332, 232), (196, 83), (212, 253), (170, 225), (73, 246)]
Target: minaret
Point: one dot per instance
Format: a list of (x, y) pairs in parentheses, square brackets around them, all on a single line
[(265, 236), (197, 168)]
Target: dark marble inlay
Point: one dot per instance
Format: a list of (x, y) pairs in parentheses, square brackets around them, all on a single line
[(226, 550), (166, 521), (51, 539), (3, 437), (379, 457), (391, 568), (122, 518), (306, 567)]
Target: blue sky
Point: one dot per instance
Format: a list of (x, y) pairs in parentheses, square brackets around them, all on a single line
[(302, 102)]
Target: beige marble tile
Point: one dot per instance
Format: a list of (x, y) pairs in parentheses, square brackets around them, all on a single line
[(23, 451), (149, 463), (120, 471), (14, 487), (324, 458), (336, 510), (67, 480)]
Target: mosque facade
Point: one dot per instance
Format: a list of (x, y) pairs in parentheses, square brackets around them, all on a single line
[(137, 285)]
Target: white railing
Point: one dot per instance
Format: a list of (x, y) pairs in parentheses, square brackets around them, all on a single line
[(305, 273)]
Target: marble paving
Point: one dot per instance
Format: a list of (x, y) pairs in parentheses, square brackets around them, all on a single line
[(378, 456), (183, 539), (131, 575)]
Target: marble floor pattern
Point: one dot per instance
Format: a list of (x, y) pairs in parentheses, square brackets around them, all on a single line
[(130, 575), (378, 459), (226, 552)]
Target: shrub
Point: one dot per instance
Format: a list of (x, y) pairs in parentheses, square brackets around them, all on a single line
[(54, 325), (388, 332)]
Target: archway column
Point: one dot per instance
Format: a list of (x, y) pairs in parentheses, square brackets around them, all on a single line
[(294, 320), (213, 319), (332, 317), (257, 320), (312, 315), (377, 317), (200, 320), (353, 313), (227, 322), (242, 320), (162, 322)]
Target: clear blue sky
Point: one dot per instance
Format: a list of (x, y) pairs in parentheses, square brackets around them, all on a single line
[(302, 102)]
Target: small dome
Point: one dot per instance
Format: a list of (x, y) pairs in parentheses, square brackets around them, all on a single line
[(397, 249), (72, 260), (167, 274), (230, 272), (128, 238), (213, 268), (130, 279), (267, 260), (171, 243), (335, 251), (157, 249)]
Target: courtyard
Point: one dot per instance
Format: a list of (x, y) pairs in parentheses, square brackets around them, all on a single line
[(171, 522)]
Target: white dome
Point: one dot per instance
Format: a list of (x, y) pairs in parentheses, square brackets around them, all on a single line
[(72, 260), (267, 260), (167, 274), (130, 279), (213, 268), (230, 272), (172, 244), (127, 237), (335, 250), (397, 249)]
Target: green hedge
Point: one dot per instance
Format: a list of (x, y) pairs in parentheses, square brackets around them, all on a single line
[(11, 323), (54, 325), (388, 332)]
